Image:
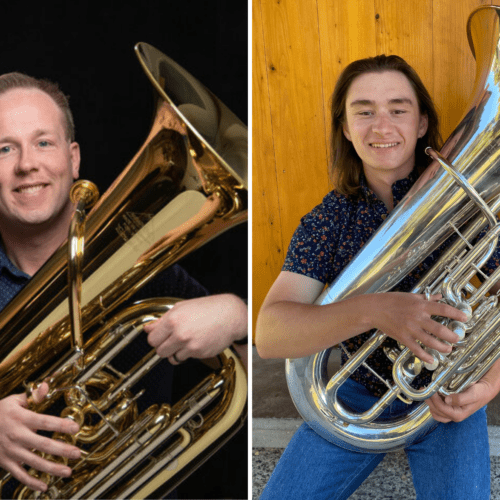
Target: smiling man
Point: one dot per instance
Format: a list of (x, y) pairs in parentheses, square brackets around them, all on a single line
[(382, 120), (384, 129), (39, 160)]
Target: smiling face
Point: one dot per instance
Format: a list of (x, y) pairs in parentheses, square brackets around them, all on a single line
[(37, 162), (383, 122)]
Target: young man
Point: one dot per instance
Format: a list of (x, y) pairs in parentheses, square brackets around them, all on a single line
[(382, 120), (39, 160)]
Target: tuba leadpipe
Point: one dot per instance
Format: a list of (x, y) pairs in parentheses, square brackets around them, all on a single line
[(186, 185), (458, 194)]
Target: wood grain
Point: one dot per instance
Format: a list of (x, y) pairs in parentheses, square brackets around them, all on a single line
[(299, 49)]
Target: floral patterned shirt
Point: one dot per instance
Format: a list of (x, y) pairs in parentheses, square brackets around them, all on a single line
[(326, 240)]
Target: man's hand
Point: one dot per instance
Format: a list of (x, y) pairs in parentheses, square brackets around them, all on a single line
[(458, 407), (199, 328), (407, 317), (19, 440)]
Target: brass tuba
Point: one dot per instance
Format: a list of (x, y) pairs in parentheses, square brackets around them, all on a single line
[(186, 184), (459, 196)]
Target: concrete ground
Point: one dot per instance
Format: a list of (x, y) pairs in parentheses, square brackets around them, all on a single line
[(275, 419)]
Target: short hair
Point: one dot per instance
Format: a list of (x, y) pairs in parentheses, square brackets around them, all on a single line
[(15, 80), (345, 164)]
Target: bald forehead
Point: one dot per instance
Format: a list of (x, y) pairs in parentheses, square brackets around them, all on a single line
[(27, 94), (17, 99)]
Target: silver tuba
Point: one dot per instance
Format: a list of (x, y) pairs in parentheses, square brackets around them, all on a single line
[(458, 196), (186, 184)]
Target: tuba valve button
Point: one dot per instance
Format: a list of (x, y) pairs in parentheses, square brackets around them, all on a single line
[(432, 366), (459, 328)]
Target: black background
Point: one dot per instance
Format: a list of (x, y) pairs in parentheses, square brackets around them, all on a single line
[(90, 54), (87, 47)]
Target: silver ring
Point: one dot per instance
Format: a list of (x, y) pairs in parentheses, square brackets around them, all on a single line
[(427, 293)]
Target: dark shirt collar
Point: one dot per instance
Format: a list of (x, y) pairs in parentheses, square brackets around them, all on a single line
[(7, 265), (399, 188)]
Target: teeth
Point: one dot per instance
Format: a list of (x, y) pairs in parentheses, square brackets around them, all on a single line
[(30, 189), (376, 145)]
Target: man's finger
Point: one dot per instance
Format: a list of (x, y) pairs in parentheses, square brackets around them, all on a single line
[(23, 477), (39, 421), (55, 447), (467, 397)]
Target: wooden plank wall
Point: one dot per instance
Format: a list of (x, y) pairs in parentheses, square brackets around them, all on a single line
[(299, 49)]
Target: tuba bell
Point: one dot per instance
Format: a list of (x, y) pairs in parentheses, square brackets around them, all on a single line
[(456, 197), (186, 185)]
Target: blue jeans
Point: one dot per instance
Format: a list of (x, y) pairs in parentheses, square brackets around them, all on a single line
[(452, 462)]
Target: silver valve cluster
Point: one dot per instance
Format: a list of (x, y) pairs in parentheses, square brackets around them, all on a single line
[(457, 327)]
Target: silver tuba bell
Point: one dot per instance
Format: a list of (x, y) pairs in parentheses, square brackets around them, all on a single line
[(458, 194)]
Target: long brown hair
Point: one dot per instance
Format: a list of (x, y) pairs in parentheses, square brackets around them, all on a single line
[(345, 164)]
